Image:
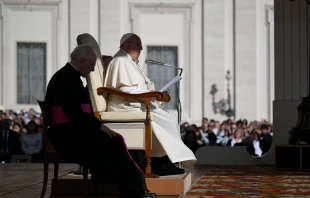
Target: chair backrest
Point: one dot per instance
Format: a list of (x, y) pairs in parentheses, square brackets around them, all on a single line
[(96, 78), (46, 123)]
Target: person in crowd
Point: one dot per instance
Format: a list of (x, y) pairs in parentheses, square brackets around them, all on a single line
[(9, 141), (183, 129), (266, 138), (32, 142), (190, 140), (212, 139), (226, 137), (233, 128), (11, 114), (255, 148), (18, 129), (3, 115), (216, 128), (201, 139), (237, 139), (212, 127), (204, 124), (222, 129)]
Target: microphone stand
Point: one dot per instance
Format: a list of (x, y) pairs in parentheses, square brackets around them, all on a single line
[(179, 109), (179, 106)]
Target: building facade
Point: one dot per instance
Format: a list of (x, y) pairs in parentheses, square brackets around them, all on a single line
[(225, 47)]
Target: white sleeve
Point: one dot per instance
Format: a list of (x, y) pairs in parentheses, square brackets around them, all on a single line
[(133, 89)]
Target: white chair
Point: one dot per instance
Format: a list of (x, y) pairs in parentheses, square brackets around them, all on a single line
[(134, 127)]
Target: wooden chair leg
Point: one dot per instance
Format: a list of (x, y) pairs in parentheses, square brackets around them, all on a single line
[(148, 134), (54, 183), (45, 177), (148, 169)]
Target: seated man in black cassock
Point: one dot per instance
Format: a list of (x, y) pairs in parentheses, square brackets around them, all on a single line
[(79, 136)]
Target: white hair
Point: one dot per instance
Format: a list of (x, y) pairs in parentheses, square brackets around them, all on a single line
[(82, 51)]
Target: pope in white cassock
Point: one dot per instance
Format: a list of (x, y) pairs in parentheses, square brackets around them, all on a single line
[(125, 74)]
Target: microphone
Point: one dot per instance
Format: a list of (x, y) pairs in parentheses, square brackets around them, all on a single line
[(147, 61)]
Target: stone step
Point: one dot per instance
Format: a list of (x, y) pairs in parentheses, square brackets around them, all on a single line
[(167, 186)]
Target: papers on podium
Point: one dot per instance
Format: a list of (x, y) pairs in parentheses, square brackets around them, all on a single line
[(172, 82)]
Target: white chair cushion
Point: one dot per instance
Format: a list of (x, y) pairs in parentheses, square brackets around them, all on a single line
[(124, 116), (133, 133)]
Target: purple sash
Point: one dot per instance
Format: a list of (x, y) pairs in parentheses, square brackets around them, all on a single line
[(59, 116)]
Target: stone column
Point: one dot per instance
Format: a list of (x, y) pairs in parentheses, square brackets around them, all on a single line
[(291, 64)]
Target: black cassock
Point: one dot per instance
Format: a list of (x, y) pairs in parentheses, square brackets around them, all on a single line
[(81, 139)]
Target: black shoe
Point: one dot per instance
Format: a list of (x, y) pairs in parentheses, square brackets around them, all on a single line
[(135, 194), (169, 169)]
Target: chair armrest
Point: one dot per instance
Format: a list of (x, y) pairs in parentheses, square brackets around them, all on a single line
[(159, 96)]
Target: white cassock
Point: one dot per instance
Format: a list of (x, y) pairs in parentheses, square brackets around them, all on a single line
[(124, 74)]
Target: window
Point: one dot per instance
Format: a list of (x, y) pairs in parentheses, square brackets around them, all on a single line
[(31, 72), (162, 75)]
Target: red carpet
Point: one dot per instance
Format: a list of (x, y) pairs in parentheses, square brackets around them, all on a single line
[(251, 182)]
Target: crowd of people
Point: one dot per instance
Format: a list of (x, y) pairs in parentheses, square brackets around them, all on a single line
[(21, 134), (256, 136), (25, 135)]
